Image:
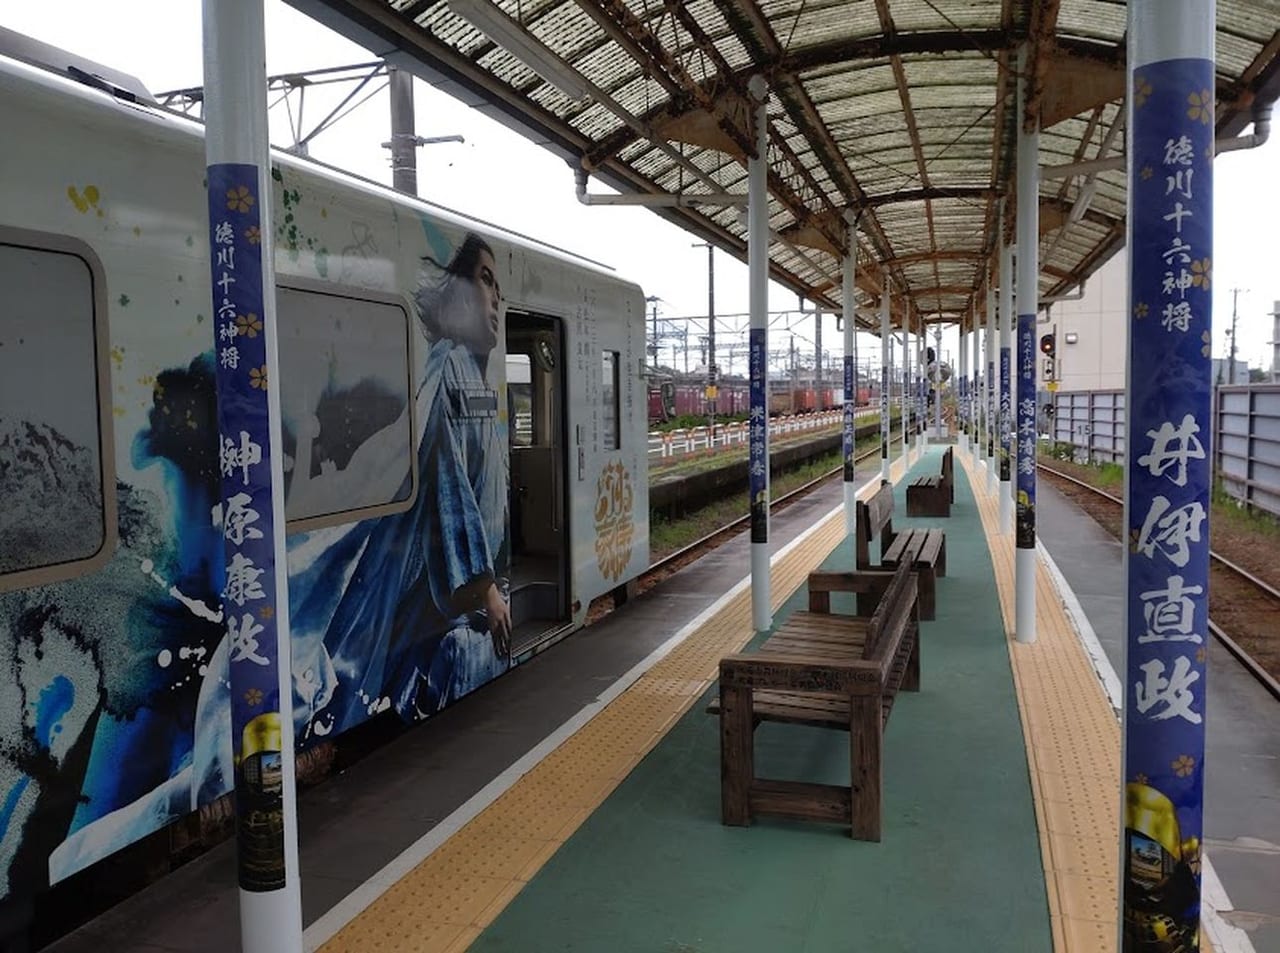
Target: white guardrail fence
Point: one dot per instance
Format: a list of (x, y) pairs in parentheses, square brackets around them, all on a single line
[(673, 444)]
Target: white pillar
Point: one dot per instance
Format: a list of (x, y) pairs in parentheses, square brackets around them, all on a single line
[(758, 297), (992, 388), (1028, 302), (1168, 464), (238, 164), (907, 455), (962, 388), (937, 383), (975, 371), (886, 353), (849, 307), (1004, 418)]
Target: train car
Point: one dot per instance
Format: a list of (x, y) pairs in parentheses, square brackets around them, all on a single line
[(464, 438)]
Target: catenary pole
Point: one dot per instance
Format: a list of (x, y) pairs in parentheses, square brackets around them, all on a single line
[(256, 598), (1028, 233), (758, 298), (1168, 472)]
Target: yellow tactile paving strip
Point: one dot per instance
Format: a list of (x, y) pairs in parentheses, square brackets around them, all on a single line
[(1073, 753), (444, 903)]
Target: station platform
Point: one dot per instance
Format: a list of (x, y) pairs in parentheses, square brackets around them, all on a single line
[(575, 803)]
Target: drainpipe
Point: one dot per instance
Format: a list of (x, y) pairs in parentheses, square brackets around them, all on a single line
[(1261, 133)]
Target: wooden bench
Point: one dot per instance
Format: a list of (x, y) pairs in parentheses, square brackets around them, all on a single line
[(925, 550), (933, 496), (828, 670)]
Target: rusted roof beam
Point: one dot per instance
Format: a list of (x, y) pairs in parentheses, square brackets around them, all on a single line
[(753, 28), (634, 42), (926, 195), (879, 47)]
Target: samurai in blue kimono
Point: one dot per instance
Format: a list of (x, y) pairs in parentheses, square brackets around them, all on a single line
[(423, 618)]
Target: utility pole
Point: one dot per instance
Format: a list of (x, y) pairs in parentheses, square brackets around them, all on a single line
[(404, 150), (1231, 361), (713, 370), (1275, 342), (653, 334)]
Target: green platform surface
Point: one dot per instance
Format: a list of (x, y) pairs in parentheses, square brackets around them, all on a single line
[(958, 867)]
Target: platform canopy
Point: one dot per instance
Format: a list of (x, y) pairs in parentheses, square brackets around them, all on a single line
[(902, 111)]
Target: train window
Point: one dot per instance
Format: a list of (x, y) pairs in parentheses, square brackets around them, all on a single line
[(346, 411), (520, 400), (56, 518), (610, 399)]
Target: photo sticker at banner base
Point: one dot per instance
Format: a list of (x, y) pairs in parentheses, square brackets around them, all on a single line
[(250, 598), (1169, 477)]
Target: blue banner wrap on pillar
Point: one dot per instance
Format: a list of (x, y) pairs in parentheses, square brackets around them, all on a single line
[(1005, 417), (1169, 475), (850, 405), (759, 465), (884, 411), (991, 407), (1025, 520), (249, 599)]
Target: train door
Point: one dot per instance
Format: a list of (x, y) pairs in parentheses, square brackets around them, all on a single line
[(538, 503)]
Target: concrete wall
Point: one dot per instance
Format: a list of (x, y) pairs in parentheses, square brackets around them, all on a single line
[(1097, 360)]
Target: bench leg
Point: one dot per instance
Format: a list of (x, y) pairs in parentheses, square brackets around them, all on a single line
[(911, 677), (865, 744), (928, 593), (940, 567), (737, 757)]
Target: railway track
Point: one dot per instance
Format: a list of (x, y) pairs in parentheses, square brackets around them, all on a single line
[(1226, 570)]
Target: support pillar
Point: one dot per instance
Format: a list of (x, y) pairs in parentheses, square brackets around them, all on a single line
[(256, 599), (907, 455), (1005, 417), (975, 392), (886, 355), (1168, 465), (962, 388), (937, 381), (993, 385), (758, 305), (404, 143), (1028, 301), (849, 306)]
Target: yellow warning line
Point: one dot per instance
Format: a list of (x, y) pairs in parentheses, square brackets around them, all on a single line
[(444, 903), (1073, 752)]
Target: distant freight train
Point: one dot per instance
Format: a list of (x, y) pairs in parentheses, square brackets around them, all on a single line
[(672, 396)]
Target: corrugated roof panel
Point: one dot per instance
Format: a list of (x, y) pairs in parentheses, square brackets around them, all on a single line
[(1093, 19), (820, 21)]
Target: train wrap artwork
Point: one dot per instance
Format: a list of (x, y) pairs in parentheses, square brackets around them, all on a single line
[(432, 542)]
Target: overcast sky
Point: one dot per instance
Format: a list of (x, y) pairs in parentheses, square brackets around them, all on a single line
[(502, 178)]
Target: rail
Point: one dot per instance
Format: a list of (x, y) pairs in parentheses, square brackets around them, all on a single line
[(1236, 650)]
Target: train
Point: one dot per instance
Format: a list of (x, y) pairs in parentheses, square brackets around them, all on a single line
[(673, 395), (432, 544)]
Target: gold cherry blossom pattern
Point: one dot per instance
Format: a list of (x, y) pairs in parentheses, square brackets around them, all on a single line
[(1183, 766), (1147, 172), (258, 377), (253, 697), (266, 612), (1200, 106), (1201, 270), (1206, 344), (239, 199), (1141, 90), (1140, 310), (1201, 655), (248, 325), (252, 235)]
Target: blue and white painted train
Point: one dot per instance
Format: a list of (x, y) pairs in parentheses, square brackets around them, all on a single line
[(464, 420)]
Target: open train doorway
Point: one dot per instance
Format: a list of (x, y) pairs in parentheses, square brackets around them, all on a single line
[(538, 503)]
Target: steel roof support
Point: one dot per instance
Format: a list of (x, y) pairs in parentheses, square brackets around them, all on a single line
[(1028, 286), (758, 298), (256, 599)]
